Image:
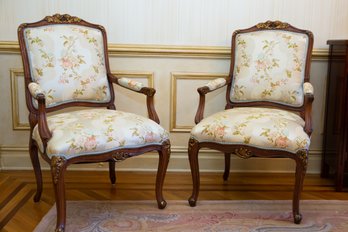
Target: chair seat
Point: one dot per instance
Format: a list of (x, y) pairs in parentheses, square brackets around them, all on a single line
[(258, 127), (93, 131)]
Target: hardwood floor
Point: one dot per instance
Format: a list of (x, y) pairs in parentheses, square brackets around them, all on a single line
[(18, 212)]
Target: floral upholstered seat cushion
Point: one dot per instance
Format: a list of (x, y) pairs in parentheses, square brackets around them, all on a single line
[(259, 127), (269, 66), (68, 62), (93, 131)]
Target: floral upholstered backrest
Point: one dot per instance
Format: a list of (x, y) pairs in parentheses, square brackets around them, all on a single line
[(68, 63), (269, 66)]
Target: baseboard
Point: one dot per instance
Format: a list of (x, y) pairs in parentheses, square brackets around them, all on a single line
[(17, 158)]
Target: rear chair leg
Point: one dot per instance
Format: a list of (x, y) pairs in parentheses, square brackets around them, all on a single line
[(193, 150), (34, 156), (112, 172), (227, 166)]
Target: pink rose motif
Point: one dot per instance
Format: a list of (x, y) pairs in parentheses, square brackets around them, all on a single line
[(281, 141), (90, 143), (220, 131), (149, 137), (66, 63), (260, 65)]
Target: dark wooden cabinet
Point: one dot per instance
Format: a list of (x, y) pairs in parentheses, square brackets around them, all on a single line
[(335, 144)]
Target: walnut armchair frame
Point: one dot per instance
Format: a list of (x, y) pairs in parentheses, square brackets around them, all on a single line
[(243, 150), (38, 116)]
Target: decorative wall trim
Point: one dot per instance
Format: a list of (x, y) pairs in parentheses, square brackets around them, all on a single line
[(137, 50), (175, 76), (16, 123), (17, 158)]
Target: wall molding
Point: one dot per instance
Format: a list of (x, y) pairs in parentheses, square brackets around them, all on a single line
[(17, 158), (138, 50), (175, 76)]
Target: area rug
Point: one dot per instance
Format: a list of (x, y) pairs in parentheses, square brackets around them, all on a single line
[(241, 216)]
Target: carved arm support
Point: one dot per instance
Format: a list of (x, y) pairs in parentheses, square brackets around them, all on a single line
[(207, 88), (308, 100), (38, 94), (139, 88)]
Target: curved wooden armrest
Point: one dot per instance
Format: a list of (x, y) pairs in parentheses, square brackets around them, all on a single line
[(207, 88), (308, 100), (139, 88), (44, 131)]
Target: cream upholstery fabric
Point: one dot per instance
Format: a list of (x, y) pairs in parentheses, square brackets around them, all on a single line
[(93, 131), (35, 89), (216, 83), (259, 127), (308, 88), (67, 61), (269, 66), (130, 84)]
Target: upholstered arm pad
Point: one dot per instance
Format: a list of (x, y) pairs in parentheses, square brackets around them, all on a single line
[(216, 83), (35, 89), (308, 88), (130, 84)]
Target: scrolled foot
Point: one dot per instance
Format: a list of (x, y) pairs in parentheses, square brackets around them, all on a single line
[(298, 218), (192, 202), (225, 176), (60, 229), (162, 204), (37, 197)]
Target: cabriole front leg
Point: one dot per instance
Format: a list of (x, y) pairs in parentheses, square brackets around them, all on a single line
[(301, 168), (193, 149), (164, 155), (58, 167)]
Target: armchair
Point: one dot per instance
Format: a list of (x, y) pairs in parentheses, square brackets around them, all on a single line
[(269, 103), (66, 64)]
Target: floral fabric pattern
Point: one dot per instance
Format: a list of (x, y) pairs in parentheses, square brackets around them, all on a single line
[(93, 131), (269, 66), (259, 127), (67, 61), (216, 83), (130, 84)]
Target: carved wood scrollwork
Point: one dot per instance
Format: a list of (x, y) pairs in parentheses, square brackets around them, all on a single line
[(192, 143), (57, 163), (304, 157), (272, 25), (120, 156), (65, 18), (243, 152)]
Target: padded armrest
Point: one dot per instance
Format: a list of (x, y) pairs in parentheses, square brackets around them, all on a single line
[(130, 84), (216, 83), (308, 88), (35, 89)]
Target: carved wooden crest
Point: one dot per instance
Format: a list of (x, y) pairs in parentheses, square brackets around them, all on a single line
[(272, 25), (65, 18)]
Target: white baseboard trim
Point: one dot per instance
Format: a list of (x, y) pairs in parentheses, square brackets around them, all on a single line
[(17, 158)]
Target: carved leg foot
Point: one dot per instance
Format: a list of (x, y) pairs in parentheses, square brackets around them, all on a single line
[(112, 171), (227, 166), (164, 155), (298, 218), (193, 149), (34, 156), (192, 201), (58, 167)]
